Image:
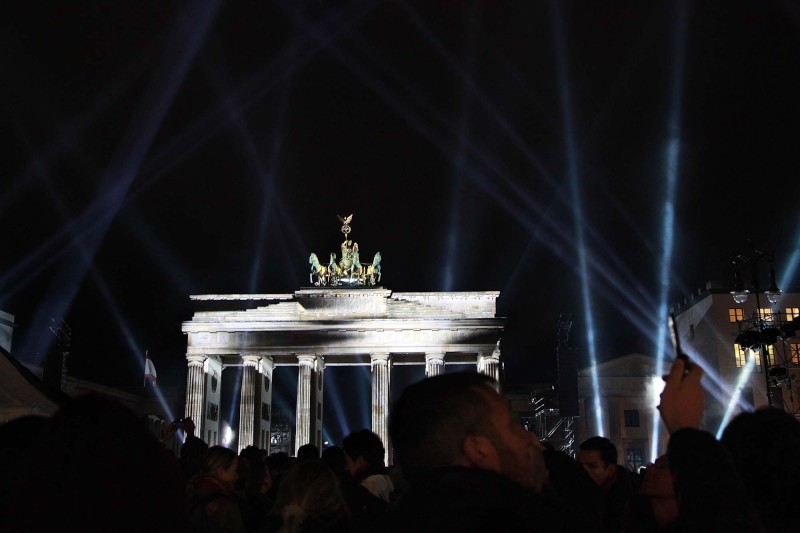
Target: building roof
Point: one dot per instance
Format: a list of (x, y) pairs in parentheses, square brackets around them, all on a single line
[(22, 393), (627, 366)]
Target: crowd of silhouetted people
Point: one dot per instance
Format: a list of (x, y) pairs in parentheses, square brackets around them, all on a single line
[(462, 463)]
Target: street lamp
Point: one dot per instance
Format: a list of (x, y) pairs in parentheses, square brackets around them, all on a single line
[(762, 330)]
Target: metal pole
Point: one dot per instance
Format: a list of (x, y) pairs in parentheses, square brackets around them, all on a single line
[(761, 345)]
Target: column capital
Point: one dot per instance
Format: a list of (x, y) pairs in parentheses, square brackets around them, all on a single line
[(434, 364), (314, 361), (250, 359), (489, 355), (196, 360), (266, 365), (379, 357), (306, 360), (434, 356)]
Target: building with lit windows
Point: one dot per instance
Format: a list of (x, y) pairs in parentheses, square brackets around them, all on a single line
[(628, 398), (720, 334), (724, 334)]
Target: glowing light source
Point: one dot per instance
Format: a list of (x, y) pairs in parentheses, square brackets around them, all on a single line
[(773, 293), (673, 159), (228, 435), (740, 297)]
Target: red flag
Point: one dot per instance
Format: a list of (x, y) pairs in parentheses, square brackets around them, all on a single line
[(149, 369)]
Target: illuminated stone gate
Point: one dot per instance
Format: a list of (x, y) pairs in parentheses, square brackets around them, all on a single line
[(319, 327), (344, 320)]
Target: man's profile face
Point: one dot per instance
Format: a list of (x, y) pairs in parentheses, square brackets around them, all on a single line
[(519, 455), (592, 462)]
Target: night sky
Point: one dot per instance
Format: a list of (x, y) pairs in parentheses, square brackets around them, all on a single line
[(154, 150)]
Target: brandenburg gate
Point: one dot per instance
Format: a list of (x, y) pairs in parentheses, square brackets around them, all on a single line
[(343, 318)]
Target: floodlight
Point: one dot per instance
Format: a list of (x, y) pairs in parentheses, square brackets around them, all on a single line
[(740, 297), (773, 293)]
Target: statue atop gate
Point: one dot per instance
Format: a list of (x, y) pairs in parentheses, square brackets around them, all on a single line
[(349, 271)]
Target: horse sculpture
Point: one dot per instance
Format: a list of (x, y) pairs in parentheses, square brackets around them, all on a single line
[(356, 270), (354, 273), (318, 271), (373, 275), (334, 272)]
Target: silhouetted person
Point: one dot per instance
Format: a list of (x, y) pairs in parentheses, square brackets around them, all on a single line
[(16, 438), (255, 481), (310, 501), (598, 456), (364, 460), (654, 507), (214, 506), (192, 452), (96, 467), (279, 464), (765, 446), (708, 488), (307, 452)]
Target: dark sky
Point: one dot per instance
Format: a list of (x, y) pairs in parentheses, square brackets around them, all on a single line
[(155, 150)]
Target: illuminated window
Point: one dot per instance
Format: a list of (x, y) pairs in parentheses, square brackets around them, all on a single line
[(740, 354), (634, 457), (792, 312), (735, 314), (771, 355), (765, 313), (795, 357)]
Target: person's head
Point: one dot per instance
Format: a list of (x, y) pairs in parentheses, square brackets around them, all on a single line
[(306, 452), (598, 456), (95, 466), (657, 480), (221, 463), (310, 489), (657, 495), (335, 459), (363, 451), (256, 477), (460, 420), (764, 447)]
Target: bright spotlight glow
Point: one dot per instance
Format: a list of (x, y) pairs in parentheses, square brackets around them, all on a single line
[(91, 227), (743, 377), (164, 404), (673, 153), (653, 389), (227, 435), (235, 393)]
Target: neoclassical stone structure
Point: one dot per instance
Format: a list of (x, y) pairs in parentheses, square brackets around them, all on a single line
[(319, 327)]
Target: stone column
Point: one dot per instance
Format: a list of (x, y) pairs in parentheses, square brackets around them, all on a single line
[(434, 364), (250, 395), (309, 401), (381, 372), (196, 392), (489, 364), (264, 411)]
